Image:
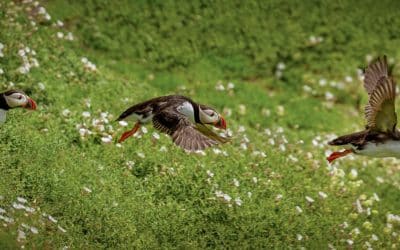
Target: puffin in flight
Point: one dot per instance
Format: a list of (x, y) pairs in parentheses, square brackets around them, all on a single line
[(179, 117), (380, 138), (14, 99)]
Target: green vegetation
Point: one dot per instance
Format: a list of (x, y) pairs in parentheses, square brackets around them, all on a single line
[(283, 74)]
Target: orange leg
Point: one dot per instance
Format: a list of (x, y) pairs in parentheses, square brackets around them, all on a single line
[(129, 133), (336, 155)]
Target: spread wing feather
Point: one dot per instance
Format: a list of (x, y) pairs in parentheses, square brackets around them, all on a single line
[(374, 73), (184, 133), (380, 110)]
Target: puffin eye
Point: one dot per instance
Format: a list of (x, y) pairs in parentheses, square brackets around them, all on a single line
[(20, 97)]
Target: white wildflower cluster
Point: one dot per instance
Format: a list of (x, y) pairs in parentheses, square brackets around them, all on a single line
[(229, 86), (277, 138), (314, 40), (1, 50), (218, 151), (98, 126), (43, 12), (280, 67), (28, 60), (68, 36), (88, 65), (26, 219), (226, 198)]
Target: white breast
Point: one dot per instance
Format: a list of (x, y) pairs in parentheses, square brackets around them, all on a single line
[(3, 115), (187, 110), (390, 148)]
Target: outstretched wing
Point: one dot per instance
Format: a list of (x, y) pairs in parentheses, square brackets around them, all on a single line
[(374, 73), (380, 110), (184, 133)]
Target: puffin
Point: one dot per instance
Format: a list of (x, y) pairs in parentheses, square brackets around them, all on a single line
[(14, 99), (181, 118), (380, 138)]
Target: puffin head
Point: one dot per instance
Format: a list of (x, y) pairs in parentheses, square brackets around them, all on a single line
[(208, 115), (17, 98)]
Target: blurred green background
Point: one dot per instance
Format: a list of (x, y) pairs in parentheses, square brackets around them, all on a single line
[(287, 75)]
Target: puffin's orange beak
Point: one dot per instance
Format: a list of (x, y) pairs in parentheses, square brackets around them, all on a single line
[(31, 104), (221, 123)]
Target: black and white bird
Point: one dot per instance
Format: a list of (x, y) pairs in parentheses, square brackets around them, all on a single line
[(181, 118), (380, 138), (14, 99)]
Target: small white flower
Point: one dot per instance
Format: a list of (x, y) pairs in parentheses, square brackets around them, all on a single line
[(86, 114), (329, 96), (278, 197), (141, 155), (227, 197), (236, 182), (21, 200), (299, 237), (106, 139), (299, 210), (87, 190), (241, 129), (238, 201), (217, 151), (309, 199), (220, 87), (281, 66), (21, 235), (348, 79), (271, 141), (280, 110), (123, 123), (59, 23), (60, 35), (1, 71), (322, 82), (156, 135), (61, 229), (353, 174), (322, 195), (163, 149), (18, 206), (24, 69), (230, 85), (34, 230), (144, 130), (41, 86), (307, 88), (255, 180), (70, 36), (242, 109), (52, 219), (210, 174)]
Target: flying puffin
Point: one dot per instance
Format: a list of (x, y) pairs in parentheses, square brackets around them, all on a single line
[(380, 138), (14, 99), (181, 118)]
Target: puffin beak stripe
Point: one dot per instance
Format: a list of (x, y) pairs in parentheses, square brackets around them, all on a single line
[(221, 123), (31, 104)]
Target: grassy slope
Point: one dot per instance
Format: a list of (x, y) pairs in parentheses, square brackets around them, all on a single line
[(167, 199)]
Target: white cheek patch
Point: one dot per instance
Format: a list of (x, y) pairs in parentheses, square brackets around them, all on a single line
[(13, 101), (187, 110)]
